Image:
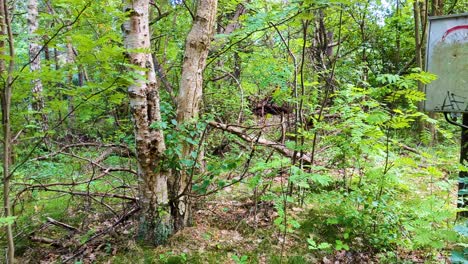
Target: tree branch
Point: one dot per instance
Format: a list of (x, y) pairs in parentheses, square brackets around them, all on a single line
[(282, 149)]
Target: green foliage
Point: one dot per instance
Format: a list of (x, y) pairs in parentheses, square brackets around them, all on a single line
[(358, 111), (314, 246), (4, 221), (240, 260)]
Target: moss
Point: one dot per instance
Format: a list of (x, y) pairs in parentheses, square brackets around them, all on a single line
[(155, 232)]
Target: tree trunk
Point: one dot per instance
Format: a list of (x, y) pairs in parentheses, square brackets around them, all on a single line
[(6, 91), (70, 60), (35, 66), (418, 46), (188, 100), (155, 224)]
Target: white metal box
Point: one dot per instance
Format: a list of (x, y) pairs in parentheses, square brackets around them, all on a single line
[(447, 57)]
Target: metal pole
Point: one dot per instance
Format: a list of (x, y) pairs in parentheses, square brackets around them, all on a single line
[(463, 175)]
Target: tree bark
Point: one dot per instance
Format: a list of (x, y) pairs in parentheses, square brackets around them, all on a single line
[(70, 60), (6, 92), (35, 66), (418, 45), (188, 100), (155, 224)]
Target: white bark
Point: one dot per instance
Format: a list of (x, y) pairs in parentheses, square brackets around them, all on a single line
[(188, 100), (144, 105), (196, 51)]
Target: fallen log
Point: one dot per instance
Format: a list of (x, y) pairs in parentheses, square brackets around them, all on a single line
[(280, 148)]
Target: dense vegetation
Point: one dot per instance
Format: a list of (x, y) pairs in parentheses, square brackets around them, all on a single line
[(230, 131)]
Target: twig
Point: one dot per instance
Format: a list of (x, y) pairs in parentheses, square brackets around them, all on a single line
[(85, 144), (98, 194), (216, 55), (242, 176), (118, 222)]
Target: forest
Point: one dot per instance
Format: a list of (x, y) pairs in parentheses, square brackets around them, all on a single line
[(228, 131)]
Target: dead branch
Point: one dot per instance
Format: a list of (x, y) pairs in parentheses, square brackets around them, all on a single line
[(98, 194), (124, 148), (96, 164), (60, 224), (119, 221), (282, 149), (408, 148), (44, 185), (45, 240)]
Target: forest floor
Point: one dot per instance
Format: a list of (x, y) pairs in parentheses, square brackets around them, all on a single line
[(228, 227), (234, 225)]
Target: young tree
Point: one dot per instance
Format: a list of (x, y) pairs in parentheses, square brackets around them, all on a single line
[(189, 98), (6, 92)]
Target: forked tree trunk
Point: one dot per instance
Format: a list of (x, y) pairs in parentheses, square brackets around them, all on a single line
[(155, 223), (35, 66), (188, 100)]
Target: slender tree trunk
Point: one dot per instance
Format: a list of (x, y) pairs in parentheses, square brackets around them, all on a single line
[(398, 36), (5, 31), (35, 66), (70, 60), (418, 44), (420, 28), (188, 100), (155, 225)]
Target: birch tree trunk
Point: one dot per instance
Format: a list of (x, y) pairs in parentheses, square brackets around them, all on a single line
[(155, 223), (188, 100), (35, 66)]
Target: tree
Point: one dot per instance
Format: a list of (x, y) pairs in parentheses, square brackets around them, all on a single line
[(155, 225), (189, 98), (6, 93)]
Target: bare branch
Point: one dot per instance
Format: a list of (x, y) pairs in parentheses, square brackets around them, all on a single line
[(261, 141)]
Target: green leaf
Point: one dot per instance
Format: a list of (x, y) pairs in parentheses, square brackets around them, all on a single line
[(377, 117)]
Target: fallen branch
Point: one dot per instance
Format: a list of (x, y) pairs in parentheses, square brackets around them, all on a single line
[(45, 240), (60, 224), (125, 149), (282, 149), (119, 221), (410, 149)]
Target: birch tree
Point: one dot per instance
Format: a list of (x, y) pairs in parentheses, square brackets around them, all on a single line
[(155, 225), (163, 196), (190, 93)]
